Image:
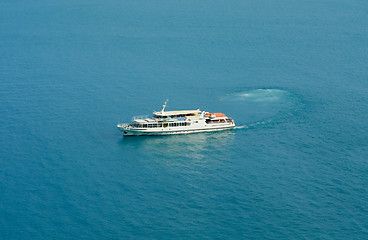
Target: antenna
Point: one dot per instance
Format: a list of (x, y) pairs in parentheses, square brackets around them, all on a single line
[(164, 106)]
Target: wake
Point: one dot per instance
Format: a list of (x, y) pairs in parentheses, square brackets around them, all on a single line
[(241, 127), (271, 105)]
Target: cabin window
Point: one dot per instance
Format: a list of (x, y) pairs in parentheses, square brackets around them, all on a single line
[(165, 124), (144, 125), (159, 125), (150, 125)]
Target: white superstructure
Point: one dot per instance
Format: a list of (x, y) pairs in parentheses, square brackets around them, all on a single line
[(176, 122)]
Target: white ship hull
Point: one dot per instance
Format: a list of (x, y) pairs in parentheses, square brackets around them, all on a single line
[(170, 131)]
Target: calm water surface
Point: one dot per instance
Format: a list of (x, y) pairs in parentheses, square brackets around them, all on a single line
[(293, 75)]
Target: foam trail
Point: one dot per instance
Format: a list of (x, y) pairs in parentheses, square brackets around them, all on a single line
[(254, 124), (241, 127)]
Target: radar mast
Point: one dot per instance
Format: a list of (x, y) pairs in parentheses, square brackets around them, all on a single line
[(164, 106)]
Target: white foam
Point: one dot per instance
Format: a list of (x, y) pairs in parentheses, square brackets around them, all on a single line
[(240, 127), (258, 95)]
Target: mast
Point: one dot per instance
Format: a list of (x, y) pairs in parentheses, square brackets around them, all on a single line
[(164, 106)]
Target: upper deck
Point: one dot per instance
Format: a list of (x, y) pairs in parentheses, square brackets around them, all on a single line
[(174, 114)]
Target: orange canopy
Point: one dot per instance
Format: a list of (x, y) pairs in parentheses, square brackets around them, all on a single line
[(216, 114)]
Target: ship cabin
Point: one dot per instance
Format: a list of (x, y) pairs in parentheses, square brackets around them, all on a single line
[(176, 118)]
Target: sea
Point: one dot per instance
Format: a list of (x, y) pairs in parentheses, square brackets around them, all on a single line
[(292, 74)]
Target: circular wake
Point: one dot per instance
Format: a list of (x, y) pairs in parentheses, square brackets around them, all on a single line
[(261, 107), (258, 95)]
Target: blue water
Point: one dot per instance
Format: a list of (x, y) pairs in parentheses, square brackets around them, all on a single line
[(292, 74)]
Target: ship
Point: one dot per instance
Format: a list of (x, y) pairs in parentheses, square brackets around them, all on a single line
[(176, 122)]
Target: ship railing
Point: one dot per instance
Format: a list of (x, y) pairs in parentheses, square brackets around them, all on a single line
[(141, 117), (124, 125)]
